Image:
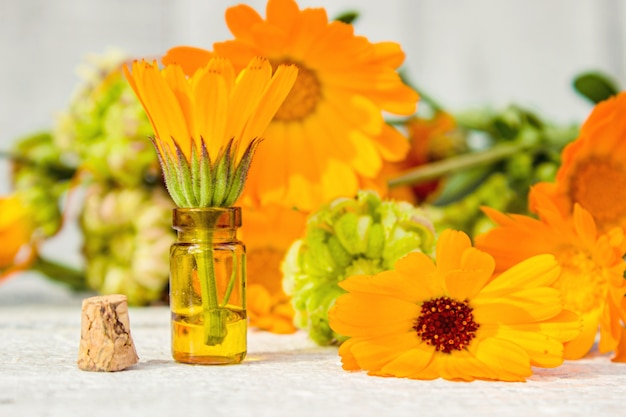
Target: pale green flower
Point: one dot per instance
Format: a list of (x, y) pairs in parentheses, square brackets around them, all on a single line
[(364, 235), (127, 237)]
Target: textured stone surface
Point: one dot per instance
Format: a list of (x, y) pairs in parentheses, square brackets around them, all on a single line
[(282, 376)]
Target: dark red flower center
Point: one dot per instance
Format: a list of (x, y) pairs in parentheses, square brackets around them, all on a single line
[(446, 323)]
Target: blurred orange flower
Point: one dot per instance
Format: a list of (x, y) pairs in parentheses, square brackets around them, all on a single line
[(431, 139), (593, 168), (16, 234), (268, 233), (591, 281), (330, 131), (620, 351)]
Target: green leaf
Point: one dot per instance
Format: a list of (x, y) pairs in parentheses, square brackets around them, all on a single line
[(595, 86), (348, 17)]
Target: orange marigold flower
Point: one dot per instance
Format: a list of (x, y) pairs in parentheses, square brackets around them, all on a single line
[(593, 168), (208, 126), (454, 320), (330, 132), (16, 235), (591, 280), (268, 233)]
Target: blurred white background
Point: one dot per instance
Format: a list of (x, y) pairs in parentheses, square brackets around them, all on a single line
[(464, 53)]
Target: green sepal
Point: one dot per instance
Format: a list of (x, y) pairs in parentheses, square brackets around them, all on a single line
[(170, 174), (221, 179), (196, 185), (184, 177), (241, 173), (206, 179)]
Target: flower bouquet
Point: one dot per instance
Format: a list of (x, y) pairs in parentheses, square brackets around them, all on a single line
[(426, 243)]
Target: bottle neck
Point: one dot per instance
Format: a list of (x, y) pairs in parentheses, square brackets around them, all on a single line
[(197, 234), (213, 224)]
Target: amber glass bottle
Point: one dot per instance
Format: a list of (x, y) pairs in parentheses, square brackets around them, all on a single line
[(207, 287)]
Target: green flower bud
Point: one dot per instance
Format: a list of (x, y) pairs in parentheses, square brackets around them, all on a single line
[(364, 235)]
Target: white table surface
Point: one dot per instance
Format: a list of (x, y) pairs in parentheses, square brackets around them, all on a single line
[(282, 375)]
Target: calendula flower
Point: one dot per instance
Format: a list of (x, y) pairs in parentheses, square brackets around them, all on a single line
[(593, 168), (208, 126), (454, 319), (16, 235), (591, 280), (362, 235), (330, 130), (268, 233)]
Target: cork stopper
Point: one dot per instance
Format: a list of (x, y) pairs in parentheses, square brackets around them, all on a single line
[(105, 341)]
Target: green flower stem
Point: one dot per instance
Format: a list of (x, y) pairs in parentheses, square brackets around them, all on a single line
[(214, 316), (231, 283), (437, 169), (64, 274)]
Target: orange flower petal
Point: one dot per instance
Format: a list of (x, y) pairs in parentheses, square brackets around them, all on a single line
[(522, 306), (475, 270), (190, 59), (508, 360), (580, 346), (375, 354), (540, 270), (410, 362), (450, 244), (364, 314)]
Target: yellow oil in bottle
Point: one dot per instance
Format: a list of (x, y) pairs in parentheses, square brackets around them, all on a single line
[(188, 343)]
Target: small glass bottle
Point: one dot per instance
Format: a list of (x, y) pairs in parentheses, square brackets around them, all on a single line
[(207, 287)]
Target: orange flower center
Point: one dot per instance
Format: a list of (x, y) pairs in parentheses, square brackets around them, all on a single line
[(582, 282), (303, 97), (446, 323), (599, 186)]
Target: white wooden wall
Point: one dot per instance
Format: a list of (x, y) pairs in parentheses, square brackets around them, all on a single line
[(463, 52)]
